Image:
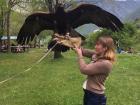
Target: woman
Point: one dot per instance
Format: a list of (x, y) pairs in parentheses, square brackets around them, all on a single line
[(98, 70)]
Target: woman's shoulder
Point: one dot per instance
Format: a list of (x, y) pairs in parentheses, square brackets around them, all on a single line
[(104, 63)]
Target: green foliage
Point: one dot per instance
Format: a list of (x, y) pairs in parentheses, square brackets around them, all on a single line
[(126, 37), (45, 33), (17, 20), (91, 38), (2, 16), (45, 36), (3, 3), (38, 5)]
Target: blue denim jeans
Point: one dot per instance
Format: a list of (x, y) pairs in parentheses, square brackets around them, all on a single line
[(91, 98)]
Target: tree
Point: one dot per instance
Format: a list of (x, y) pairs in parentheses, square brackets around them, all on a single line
[(2, 17), (6, 7), (52, 4), (123, 38)]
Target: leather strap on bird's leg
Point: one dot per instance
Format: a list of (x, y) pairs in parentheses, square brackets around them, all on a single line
[(68, 41)]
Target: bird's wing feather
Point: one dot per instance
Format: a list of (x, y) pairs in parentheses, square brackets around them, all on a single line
[(88, 13), (33, 25)]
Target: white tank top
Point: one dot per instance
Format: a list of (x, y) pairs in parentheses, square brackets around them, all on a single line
[(85, 84)]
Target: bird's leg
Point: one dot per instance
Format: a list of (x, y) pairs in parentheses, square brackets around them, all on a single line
[(55, 37), (59, 36), (67, 36)]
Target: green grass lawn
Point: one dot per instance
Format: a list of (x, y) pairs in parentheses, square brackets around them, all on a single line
[(59, 82)]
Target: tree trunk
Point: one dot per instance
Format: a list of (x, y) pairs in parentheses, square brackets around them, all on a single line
[(57, 54), (8, 31), (1, 25), (35, 41), (39, 42), (52, 4), (2, 22)]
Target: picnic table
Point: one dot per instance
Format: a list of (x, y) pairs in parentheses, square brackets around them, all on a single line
[(18, 49), (15, 49), (3, 48)]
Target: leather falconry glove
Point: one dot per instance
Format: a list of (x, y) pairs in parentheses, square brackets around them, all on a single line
[(68, 41)]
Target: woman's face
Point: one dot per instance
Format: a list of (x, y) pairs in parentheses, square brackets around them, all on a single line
[(99, 48)]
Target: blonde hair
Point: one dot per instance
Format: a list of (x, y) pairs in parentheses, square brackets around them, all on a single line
[(107, 41)]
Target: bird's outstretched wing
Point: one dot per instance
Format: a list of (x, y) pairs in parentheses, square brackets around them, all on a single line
[(87, 13), (33, 25)]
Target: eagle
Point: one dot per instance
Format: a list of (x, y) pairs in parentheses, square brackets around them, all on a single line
[(63, 22)]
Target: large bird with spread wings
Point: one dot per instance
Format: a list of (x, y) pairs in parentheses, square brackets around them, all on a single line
[(63, 22)]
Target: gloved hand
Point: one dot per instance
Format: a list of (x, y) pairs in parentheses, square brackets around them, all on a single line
[(68, 41)]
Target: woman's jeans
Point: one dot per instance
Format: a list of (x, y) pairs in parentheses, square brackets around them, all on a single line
[(91, 98)]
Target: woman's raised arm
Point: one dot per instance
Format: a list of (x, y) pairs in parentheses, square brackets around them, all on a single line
[(87, 52)]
